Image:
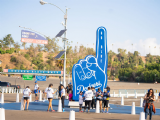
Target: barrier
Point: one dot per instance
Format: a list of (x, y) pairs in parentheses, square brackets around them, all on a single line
[(133, 108), (2, 114), (114, 94), (127, 95), (122, 100), (22, 102), (2, 98), (59, 106), (72, 115), (141, 102), (119, 94), (40, 96), (135, 95), (17, 97), (97, 107), (30, 99), (142, 116)]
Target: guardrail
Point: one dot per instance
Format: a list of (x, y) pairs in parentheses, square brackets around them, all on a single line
[(131, 93), (10, 90)]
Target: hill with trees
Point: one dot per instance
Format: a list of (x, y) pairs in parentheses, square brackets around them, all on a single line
[(123, 66)]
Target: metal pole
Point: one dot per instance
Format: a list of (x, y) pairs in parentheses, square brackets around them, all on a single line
[(65, 35)]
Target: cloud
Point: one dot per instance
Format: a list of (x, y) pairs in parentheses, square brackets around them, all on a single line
[(143, 46)]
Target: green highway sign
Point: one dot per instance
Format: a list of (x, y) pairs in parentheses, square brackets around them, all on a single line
[(27, 77)]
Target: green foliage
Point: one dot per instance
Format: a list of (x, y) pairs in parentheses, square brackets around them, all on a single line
[(27, 56), (7, 67), (13, 59), (22, 67), (2, 51), (1, 70)]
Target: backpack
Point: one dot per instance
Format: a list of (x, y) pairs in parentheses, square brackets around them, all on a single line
[(144, 103)]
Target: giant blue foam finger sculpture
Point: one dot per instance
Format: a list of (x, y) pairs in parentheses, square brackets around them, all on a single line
[(92, 71)]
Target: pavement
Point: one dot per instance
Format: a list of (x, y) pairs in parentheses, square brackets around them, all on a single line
[(42, 106), (41, 115)]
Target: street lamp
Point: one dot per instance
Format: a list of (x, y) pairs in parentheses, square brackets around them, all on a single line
[(64, 39), (155, 78)]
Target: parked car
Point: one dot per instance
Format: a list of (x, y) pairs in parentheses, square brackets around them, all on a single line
[(16, 86), (5, 84)]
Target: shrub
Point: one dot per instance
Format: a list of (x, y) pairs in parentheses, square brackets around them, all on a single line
[(3, 51), (7, 51), (13, 59), (27, 56)]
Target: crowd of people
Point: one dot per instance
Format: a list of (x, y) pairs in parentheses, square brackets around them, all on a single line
[(89, 97)]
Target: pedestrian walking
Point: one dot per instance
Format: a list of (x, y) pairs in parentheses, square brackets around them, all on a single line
[(99, 95), (106, 96), (49, 91), (149, 107), (26, 96), (80, 101), (36, 91), (62, 97), (88, 99), (93, 104)]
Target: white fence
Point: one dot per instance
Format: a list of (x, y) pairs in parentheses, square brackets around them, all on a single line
[(131, 93), (10, 90)]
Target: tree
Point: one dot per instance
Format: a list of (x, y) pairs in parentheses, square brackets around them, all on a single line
[(52, 45), (39, 47), (24, 45), (16, 46), (8, 40)]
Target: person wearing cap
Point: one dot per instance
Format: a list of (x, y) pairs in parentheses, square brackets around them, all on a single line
[(80, 101), (26, 96), (62, 96), (93, 98), (108, 88), (106, 96), (88, 99), (36, 90), (99, 95), (49, 91)]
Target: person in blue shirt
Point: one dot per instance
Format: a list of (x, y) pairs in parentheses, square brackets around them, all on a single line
[(36, 91), (106, 96), (99, 95)]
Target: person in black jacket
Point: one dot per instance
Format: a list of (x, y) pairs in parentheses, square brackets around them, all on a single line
[(59, 88)]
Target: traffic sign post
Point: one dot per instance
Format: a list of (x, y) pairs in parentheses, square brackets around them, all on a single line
[(27, 77), (41, 78)]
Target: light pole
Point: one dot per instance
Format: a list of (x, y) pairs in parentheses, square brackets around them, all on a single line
[(64, 39)]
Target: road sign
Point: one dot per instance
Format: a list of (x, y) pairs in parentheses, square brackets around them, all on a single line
[(41, 78), (31, 37), (27, 77)]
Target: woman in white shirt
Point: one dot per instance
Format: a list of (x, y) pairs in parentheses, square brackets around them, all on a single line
[(26, 96), (49, 91)]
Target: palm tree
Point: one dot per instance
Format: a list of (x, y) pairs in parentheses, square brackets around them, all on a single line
[(24, 45), (16, 46)]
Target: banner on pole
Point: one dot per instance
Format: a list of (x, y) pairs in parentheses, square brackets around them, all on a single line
[(41, 78), (31, 37), (27, 77)]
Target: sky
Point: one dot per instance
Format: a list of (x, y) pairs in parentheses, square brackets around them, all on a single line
[(127, 22)]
